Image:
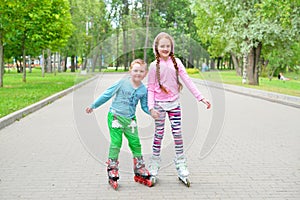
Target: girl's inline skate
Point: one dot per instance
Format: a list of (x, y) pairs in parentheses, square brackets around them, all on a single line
[(113, 173), (180, 163), (154, 166), (141, 174)]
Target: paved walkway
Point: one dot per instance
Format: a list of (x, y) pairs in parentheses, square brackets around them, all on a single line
[(243, 148)]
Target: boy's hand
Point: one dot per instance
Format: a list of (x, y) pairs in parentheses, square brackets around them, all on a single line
[(88, 110), (206, 102), (154, 114)]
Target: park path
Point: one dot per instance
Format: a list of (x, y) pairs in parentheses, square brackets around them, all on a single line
[(243, 148)]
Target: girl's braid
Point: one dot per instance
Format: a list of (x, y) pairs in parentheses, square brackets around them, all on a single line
[(177, 73), (158, 74)]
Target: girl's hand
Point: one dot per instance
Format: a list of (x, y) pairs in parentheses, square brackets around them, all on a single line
[(154, 114), (206, 102), (88, 110)]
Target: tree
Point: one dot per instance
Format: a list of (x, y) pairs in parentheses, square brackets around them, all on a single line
[(35, 25), (245, 27), (91, 26), (5, 26)]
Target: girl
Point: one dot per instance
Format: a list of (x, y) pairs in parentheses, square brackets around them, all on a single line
[(163, 98), (121, 119)]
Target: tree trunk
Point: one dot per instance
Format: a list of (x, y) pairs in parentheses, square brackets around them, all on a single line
[(73, 63), (43, 63), (24, 63), (244, 80), (190, 56), (125, 33), (49, 65), (212, 64), (125, 54), (65, 63), (133, 46), (84, 64), (58, 62), (236, 65), (253, 67), (54, 63), (117, 59), (94, 61), (148, 13), (219, 62), (257, 63), (1, 60), (18, 64), (29, 64)]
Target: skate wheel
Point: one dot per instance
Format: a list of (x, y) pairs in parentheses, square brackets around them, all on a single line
[(136, 179), (114, 184), (149, 183), (188, 183), (185, 181), (153, 180)]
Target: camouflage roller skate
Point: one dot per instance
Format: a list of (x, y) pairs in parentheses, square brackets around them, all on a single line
[(113, 173), (183, 173), (141, 174)]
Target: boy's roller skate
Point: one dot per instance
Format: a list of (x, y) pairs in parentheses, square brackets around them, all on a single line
[(180, 163), (141, 174), (154, 166), (113, 173)]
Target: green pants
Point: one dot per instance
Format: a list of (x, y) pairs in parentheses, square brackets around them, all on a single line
[(116, 135)]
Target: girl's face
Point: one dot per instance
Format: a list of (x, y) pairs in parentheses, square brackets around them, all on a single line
[(138, 72), (164, 48)]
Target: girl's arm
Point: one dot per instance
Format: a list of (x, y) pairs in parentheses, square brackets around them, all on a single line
[(190, 85), (151, 85), (187, 81)]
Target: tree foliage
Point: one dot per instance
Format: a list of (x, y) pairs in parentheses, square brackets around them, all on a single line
[(30, 26), (245, 27), (91, 26)]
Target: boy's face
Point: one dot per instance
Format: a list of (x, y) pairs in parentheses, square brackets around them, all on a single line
[(138, 72), (164, 48)]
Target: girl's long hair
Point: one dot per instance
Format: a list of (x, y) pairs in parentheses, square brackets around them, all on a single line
[(157, 56)]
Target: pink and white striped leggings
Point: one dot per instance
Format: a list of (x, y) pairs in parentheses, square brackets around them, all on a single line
[(175, 121)]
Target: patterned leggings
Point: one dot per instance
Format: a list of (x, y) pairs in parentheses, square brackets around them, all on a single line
[(175, 121)]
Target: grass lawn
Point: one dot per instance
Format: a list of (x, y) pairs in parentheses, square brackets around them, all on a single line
[(16, 94), (291, 87)]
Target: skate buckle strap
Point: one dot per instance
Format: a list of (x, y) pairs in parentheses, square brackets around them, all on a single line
[(140, 163)]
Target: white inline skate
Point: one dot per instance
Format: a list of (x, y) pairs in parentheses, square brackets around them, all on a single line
[(153, 168), (183, 173)]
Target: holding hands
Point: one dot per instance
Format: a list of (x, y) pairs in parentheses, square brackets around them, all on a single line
[(154, 114)]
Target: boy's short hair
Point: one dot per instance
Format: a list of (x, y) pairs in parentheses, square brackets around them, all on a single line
[(139, 61)]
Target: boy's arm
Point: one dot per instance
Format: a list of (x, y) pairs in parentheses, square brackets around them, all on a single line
[(144, 104), (106, 95)]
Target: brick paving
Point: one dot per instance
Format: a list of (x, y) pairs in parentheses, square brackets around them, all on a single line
[(58, 152)]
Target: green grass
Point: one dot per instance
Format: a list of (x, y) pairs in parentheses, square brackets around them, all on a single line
[(16, 94), (291, 87)]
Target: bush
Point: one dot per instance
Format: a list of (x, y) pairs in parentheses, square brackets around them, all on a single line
[(192, 70)]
